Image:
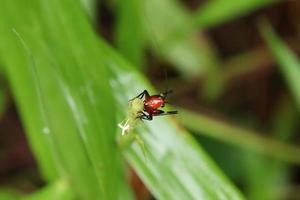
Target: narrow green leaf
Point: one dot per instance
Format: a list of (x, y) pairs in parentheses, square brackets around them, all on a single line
[(59, 190), (130, 37), (289, 64), (168, 27), (240, 137), (13, 54), (57, 72), (70, 89), (90, 7), (218, 12), (176, 166)]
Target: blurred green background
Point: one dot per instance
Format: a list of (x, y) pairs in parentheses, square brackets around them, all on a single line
[(68, 69)]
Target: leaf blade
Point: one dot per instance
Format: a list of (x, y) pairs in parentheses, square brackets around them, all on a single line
[(289, 64)]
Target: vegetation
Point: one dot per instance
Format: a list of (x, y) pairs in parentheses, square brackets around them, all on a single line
[(71, 87)]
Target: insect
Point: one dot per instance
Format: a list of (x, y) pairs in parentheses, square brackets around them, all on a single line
[(146, 109), (152, 105)]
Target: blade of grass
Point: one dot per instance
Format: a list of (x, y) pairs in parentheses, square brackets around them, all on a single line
[(172, 35), (240, 137), (70, 122), (90, 7), (289, 64), (130, 37), (59, 190), (191, 54), (217, 12), (168, 27), (210, 184), (176, 167), (11, 48)]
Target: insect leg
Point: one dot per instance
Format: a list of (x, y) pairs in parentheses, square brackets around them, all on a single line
[(146, 116), (172, 112), (161, 112), (158, 112), (140, 96)]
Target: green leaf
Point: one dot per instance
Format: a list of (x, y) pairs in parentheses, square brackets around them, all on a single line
[(90, 7), (59, 190), (176, 167), (58, 74), (289, 64), (240, 137), (168, 27), (217, 12), (130, 36)]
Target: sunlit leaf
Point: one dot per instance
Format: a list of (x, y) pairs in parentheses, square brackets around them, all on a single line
[(176, 166), (59, 79), (60, 74)]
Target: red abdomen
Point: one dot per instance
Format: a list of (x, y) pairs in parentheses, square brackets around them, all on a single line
[(153, 103)]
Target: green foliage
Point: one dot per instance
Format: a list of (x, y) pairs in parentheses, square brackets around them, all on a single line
[(174, 159), (276, 174), (288, 62), (240, 137), (60, 73), (165, 24), (217, 12), (130, 36), (61, 86), (72, 90), (59, 190), (90, 7)]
